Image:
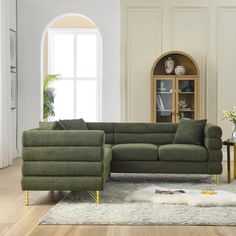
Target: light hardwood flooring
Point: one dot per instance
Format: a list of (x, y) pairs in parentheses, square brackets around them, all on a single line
[(16, 219)]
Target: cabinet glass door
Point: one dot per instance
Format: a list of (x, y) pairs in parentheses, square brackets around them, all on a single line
[(186, 99), (165, 100)]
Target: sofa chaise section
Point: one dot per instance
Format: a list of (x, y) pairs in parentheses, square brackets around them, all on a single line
[(64, 160)]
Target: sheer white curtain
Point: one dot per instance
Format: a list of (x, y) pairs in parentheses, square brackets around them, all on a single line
[(5, 94)]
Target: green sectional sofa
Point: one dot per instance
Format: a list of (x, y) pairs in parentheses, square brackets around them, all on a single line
[(68, 158)]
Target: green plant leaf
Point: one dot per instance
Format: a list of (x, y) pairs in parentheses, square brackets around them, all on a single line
[(49, 95)]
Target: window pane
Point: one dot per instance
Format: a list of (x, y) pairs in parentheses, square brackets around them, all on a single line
[(62, 57), (86, 55), (86, 100), (64, 99)]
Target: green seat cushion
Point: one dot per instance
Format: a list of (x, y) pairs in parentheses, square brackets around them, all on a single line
[(76, 124), (135, 152), (190, 132), (183, 152)]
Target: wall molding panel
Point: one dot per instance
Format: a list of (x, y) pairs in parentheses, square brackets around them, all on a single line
[(200, 28), (226, 64), (189, 33), (144, 26)]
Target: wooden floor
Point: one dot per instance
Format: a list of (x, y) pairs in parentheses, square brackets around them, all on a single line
[(16, 219)]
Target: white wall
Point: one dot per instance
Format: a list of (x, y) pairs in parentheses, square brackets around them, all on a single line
[(12, 9), (12, 25), (33, 17), (204, 29), (7, 115)]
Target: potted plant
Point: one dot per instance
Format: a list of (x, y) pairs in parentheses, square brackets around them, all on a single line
[(231, 116), (49, 95)]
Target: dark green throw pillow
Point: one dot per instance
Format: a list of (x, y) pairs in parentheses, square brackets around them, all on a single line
[(51, 125), (190, 132), (76, 124)]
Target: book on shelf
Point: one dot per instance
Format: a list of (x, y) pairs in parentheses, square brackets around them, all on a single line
[(160, 104)]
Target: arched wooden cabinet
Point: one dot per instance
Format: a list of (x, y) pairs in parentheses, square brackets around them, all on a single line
[(175, 95)]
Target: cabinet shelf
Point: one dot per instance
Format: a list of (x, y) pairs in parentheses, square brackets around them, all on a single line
[(186, 92), (175, 76), (172, 92), (163, 110), (186, 110), (164, 92)]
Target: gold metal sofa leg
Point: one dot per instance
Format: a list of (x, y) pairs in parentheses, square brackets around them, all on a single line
[(95, 195), (27, 198), (217, 179)]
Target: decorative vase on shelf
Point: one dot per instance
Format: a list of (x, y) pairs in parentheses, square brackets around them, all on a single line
[(180, 70), (169, 65), (233, 133)]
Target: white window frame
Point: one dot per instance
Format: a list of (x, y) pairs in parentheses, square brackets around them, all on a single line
[(74, 32)]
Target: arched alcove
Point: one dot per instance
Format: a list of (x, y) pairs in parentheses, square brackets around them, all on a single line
[(75, 25), (180, 59)]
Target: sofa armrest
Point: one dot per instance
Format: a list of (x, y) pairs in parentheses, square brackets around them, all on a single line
[(212, 137), (213, 142), (54, 138), (212, 131)]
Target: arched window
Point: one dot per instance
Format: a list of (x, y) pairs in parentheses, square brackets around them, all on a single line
[(74, 53)]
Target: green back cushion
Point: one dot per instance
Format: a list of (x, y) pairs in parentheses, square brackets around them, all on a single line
[(190, 132), (52, 125), (76, 124), (107, 127), (161, 133)]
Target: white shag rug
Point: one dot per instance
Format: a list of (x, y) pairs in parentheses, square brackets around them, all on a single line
[(182, 197), (79, 208)]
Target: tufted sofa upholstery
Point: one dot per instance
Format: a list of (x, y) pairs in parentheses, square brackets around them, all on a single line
[(82, 160)]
